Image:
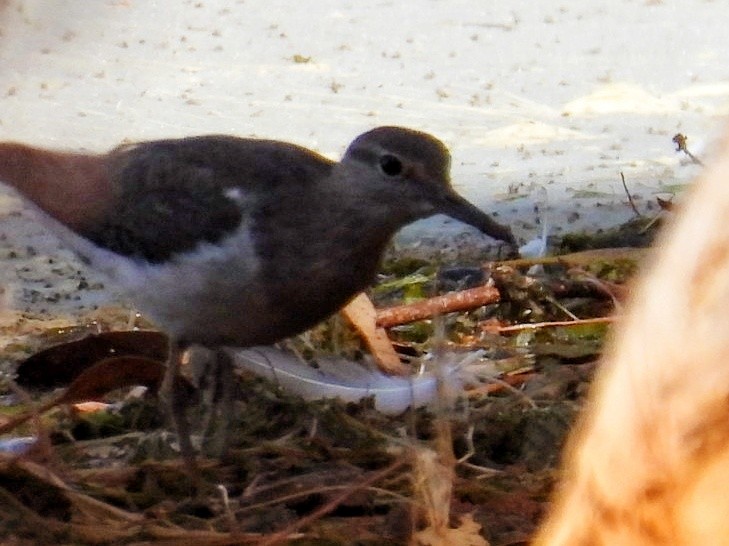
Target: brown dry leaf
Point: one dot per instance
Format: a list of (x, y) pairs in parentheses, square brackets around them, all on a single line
[(665, 204), (111, 374), (361, 314), (467, 534), (61, 364), (101, 378)]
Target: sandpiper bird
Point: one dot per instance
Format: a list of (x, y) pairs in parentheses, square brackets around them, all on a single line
[(229, 241)]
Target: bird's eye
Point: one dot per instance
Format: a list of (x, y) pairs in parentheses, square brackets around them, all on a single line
[(390, 165)]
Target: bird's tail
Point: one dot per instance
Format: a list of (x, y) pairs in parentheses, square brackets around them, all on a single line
[(68, 186)]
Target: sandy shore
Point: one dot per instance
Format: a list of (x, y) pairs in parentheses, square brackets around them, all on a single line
[(541, 103)]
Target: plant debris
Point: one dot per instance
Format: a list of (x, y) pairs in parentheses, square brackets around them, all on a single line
[(474, 467)]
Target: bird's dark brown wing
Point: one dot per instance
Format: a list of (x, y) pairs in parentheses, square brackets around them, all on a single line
[(172, 195)]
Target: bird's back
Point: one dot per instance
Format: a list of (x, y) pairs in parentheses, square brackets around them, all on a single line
[(169, 196)]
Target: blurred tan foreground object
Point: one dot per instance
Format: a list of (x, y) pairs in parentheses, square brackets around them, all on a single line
[(649, 462)]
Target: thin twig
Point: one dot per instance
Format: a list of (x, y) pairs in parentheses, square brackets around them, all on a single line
[(284, 534), (519, 394), (315, 491), (494, 387), (449, 303), (556, 323), (630, 197)]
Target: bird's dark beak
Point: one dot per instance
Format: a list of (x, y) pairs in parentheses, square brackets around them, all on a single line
[(458, 208)]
